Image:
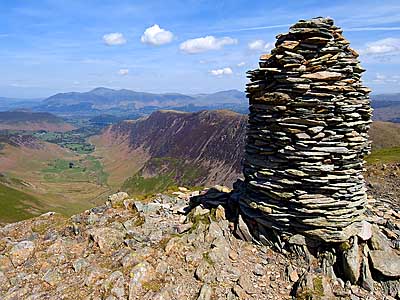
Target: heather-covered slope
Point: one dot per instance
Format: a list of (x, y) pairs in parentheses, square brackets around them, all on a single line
[(171, 147)]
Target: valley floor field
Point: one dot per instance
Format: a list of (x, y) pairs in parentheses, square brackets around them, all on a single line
[(50, 178)]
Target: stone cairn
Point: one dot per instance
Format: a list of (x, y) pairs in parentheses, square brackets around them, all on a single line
[(307, 136)]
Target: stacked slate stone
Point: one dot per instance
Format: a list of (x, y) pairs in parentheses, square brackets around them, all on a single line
[(307, 135)]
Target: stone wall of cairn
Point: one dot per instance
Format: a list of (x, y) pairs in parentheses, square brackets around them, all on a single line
[(307, 135)]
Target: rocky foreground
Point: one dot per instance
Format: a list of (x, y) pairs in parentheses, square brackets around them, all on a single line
[(175, 247)]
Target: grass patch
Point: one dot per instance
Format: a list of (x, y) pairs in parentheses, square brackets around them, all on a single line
[(74, 140), (207, 258), (16, 205), (138, 185), (169, 173), (385, 155), (55, 222), (154, 285), (87, 169)]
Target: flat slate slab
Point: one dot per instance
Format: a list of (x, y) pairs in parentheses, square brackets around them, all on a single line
[(386, 262)]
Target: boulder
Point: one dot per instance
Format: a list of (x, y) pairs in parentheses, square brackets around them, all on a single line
[(314, 287), (386, 262), (117, 199), (21, 251), (107, 239), (379, 241), (139, 274), (366, 231), (205, 292), (351, 262)]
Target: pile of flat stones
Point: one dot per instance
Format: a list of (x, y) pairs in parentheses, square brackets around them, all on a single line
[(307, 136)]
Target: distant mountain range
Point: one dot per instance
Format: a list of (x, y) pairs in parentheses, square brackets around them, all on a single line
[(7, 103), (126, 103), (104, 100)]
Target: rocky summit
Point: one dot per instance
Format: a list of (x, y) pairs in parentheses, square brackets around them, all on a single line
[(307, 135), (182, 246)]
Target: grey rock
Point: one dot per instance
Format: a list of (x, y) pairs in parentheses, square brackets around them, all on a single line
[(139, 274), (114, 284), (297, 239), (313, 284), (366, 231), (351, 262), (205, 272), (21, 251), (95, 276), (367, 281), (107, 239), (214, 232), (392, 288), (378, 240), (386, 262), (117, 200), (52, 277), (205, 292), (199, 211), (79, 264), (242, 230), (245, 283), (259, 270), (4, 282)]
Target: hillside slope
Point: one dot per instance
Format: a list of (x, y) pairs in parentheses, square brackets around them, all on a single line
[(40, 176), (386, 107), (171, 147), (385, 134), (15, 205), (33, 121)]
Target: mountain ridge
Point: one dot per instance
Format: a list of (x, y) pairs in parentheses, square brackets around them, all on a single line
[(168, 142), (125, 103), (101, 99), (32, 121)]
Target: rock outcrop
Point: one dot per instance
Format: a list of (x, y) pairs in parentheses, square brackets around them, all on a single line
[(178, 246), (307, 135)]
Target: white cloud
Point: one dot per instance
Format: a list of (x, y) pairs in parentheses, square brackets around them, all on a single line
[(384, 79), (260, 45), (382, 47), (156, 36), (123, 72), (206, 43), (223, 71), (241, 64), (115, 38), (372, 29)]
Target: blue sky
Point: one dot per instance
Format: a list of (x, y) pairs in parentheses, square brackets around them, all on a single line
[(51, 46)]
